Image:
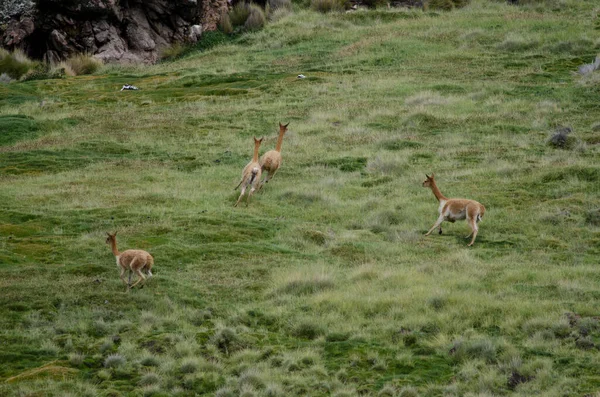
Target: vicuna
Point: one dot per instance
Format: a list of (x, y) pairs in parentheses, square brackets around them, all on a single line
[(271, 161), (134, 261), (250, 174), (453, 210)]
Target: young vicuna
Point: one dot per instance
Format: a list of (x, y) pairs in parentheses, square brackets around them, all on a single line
[(271, 161), (132, 260), (453, 210), (250, 174)]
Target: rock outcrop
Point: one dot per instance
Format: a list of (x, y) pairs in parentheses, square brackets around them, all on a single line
[(112, 30)]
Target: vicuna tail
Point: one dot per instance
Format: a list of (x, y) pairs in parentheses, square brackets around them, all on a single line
[(254, 173)]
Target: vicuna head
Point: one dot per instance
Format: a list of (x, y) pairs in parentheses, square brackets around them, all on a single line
[(282, 127), (111, 237), (429, 181), (258, 141)]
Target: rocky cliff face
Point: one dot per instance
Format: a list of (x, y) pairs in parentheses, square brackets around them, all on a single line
[(112, 30)]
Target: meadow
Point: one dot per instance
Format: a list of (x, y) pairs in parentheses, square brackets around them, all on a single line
[(324, 284)]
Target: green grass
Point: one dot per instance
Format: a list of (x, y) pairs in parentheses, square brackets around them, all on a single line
[(325, 284)]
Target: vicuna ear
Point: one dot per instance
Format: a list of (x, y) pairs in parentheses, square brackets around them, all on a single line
[(108, 234), (283, 126), (427, 176), (432, 175)]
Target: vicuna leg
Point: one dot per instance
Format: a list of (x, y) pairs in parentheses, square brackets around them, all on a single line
[(241, 195), (141, 277), (123, 276), (250, 194), (473, 224), (437, 224), (131, 264)]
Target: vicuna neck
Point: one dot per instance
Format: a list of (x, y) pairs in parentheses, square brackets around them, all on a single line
[(436, 192), (255, 156), (280, 140), (113, 246)]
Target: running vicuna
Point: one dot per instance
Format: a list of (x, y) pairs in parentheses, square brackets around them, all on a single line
[(271, 161), (453, 210), (132, 260), (250, 174)]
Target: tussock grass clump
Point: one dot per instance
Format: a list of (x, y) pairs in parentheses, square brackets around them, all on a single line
[(173, 51), (309, 285), (149, 360), (149, 379), (15, 64), (225, 24), (593, 217), (483, 349), (307, 330), (445, 5), (83, 64), (277, 9), (408, 391), (189, 366), (256, 19), (76, 359), (387, 391), (325, 6), (115, 361), (227, 340), (514, 43), (151, 391), (239, 14)]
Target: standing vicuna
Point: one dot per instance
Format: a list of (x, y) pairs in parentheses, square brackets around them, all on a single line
[(250, 174), (271, 161), (132, 260), (453, 210)]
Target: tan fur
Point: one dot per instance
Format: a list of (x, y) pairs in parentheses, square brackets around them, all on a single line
[(134, 261), (271, 161), (453, 210), (250, 174)]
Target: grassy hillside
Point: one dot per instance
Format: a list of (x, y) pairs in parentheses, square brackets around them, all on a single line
[(325, 284)]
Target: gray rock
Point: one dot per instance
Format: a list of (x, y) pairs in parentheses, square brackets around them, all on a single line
[(112, 30)]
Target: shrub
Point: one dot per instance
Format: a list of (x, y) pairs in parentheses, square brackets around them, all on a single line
[(15, 64), (82, 64), (327, 5), (256, 19)]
